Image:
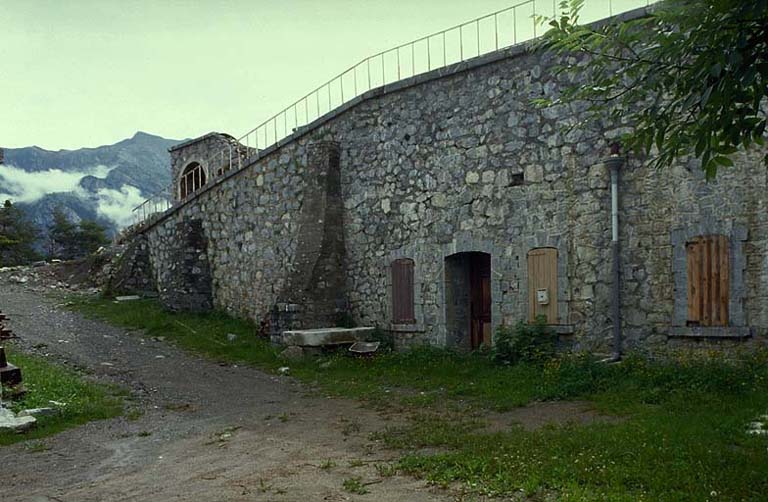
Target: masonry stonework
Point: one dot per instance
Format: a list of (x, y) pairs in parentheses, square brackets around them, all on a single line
[(459, 161)]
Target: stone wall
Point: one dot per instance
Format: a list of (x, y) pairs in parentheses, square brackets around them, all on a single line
[(317, 279), (187, 284), (130, 270), (250, 222), (458, 160)]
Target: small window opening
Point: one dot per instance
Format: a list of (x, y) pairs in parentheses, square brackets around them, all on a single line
[(517, 180)]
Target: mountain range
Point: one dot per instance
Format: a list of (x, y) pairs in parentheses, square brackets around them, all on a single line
[(103, 183)]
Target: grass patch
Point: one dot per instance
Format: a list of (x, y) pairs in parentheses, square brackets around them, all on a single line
[(203, 333), (682, 436), (85, 401)]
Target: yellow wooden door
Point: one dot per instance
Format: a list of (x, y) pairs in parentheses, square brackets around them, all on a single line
[(542, 284)]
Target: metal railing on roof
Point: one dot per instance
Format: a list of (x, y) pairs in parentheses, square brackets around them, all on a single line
[(489, 33), (482, 35)]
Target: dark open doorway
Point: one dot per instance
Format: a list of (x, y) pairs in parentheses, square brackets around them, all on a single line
[(468, 300)]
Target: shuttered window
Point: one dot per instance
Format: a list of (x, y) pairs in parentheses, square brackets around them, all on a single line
[(542, 280), (708, 280), (402, 292)]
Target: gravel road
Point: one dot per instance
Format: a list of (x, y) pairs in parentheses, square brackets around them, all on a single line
[(209, 432)]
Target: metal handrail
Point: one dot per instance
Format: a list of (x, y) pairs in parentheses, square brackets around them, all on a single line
[(375, 74), (158, 202), (374, 71)]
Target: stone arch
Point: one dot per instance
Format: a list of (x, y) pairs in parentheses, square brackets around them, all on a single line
[(463, 243), (193, 177)]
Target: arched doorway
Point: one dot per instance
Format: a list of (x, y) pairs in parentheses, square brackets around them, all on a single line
[(191, 179), (468, 300)]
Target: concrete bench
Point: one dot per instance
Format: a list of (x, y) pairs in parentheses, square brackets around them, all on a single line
[(325, 336)]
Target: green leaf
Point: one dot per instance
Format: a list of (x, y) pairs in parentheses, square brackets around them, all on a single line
[(723, 161)]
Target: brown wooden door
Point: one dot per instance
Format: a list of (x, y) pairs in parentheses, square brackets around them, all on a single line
[(480, 299)]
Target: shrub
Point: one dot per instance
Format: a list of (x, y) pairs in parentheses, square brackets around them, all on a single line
[(384, 337), (532, 343)]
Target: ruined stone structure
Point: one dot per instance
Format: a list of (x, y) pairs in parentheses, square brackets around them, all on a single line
[(445, 205)]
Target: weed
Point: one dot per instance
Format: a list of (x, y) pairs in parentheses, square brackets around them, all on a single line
[(264, 486), (327, 465), (144, 434), (355, 485), (134, 414), (36, 447), (385, 338), (386, 470), (529, 343)]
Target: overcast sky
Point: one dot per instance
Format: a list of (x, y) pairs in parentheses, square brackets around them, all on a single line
[(77, 73)]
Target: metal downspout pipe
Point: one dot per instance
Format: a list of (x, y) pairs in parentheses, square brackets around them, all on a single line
[(614, 163)]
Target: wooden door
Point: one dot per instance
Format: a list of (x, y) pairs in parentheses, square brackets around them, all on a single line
[(542, 276), (480, 299)]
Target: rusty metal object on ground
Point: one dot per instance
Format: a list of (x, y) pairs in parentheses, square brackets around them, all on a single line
[(10, 375), (364, 349)]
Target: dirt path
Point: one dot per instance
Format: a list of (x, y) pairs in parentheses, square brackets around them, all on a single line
[(209, 432)]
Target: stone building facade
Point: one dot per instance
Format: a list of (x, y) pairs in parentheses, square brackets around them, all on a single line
[(457, 175)]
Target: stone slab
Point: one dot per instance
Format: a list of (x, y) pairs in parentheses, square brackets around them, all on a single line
[(127, 298), (325, 336), (711, 332), (38, 412), (10, 422)]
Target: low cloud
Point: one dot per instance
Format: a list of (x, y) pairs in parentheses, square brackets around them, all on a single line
[(21, 186), (117, 205)]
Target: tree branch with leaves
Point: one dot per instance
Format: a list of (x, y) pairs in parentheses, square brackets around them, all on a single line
[(691, 77)]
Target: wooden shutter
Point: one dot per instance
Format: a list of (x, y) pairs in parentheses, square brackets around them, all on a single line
[(542, 274), (708, 280), (402, 292)]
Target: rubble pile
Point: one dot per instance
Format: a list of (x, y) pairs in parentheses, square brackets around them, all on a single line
[(88, 275)]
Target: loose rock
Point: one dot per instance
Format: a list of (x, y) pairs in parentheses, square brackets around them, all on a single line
[(292, 353), (38, 412), (10, 422)]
